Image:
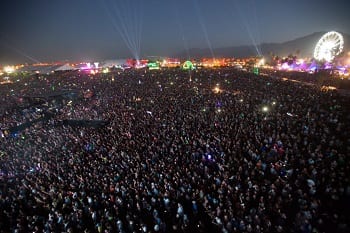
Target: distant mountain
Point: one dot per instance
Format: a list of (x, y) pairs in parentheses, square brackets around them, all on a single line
[(301, 47)]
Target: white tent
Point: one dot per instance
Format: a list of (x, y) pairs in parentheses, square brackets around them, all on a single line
[(65, 67), (43, 69), (113, 63)]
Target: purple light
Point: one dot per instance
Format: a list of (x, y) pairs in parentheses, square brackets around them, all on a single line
[(328, 66), (285, 66)]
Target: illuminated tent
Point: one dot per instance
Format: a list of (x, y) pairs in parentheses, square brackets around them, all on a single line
[(113, 63), (65, 67), (188, 65), (313, 66), (153, 65), (41, 68)]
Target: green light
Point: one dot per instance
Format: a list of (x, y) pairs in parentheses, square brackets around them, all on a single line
[(188, 65), (153, 65)]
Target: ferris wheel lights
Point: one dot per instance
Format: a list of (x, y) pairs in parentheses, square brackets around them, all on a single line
[(329, 46)]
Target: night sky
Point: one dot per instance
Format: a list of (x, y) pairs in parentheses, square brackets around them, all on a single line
[(82, 30)]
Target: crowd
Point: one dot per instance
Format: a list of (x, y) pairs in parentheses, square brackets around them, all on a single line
[(319, 78), (211, 150)]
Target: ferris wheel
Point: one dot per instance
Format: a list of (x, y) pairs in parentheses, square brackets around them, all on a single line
[(330, 45)]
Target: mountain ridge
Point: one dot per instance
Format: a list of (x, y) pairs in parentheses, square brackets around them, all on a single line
[(301, 47)]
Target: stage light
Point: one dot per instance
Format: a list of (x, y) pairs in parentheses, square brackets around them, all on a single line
[(9, 69)]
